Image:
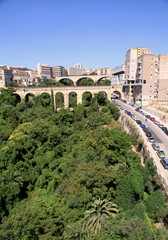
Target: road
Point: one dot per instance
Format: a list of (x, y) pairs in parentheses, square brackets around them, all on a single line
[(159, 136)]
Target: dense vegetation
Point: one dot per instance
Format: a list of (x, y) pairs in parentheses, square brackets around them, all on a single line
[(74, 175)]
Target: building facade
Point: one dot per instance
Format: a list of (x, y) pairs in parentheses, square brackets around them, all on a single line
[(104, 71), (58, 71), (118, 75), (71, 71), (44, 71), (131, 62), (78, 65), (5, 76), (152, 72)]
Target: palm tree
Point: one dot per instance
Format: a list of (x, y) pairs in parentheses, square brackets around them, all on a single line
[(97, 215)]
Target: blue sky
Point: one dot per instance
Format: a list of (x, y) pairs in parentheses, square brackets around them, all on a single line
[(96, 33)]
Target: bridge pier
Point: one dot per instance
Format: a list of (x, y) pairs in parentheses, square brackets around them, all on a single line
[(66, 100), (79, 98)]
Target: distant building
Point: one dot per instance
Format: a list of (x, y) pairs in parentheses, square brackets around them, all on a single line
[(5, 76), (44, 71), (58, 71), (71, 71), (118, 75), (34, 77), (78, 65), (92, 71), (21, 77), (104, 71)]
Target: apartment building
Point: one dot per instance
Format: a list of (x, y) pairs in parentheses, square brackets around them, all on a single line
[(163, 78), (44, 71), (5, 76), (152, 71), (131, 62), (71, 71), (58, 71)]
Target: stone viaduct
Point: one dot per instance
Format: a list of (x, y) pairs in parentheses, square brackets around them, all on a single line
[(78, 90), (76, 79)]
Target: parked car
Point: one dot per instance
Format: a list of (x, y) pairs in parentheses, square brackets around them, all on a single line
[(156, 146), (161, 153), (148, 116), (152, 119), (143, 125), (164, 129), (151, 139), (138, 122), (160, 125), (157, 122), (134, 117), (164, 162), (122, 108), (145, 129), (148, 134)]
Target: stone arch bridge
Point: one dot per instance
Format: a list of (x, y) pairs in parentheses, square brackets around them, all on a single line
[(36, 91), (76, 79)]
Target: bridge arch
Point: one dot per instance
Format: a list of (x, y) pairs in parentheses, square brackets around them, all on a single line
[(72, 98), (18, 97), (67, 81), (86, 98), (116, 93), (45, 99), (28, 96), (85, 81), (104, 81), (102, 97), (59, 100)]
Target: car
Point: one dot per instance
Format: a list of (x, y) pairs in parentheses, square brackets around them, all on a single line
[(129, 113), (138, 122), (151, 139), (122, 108), (145, 129), (148, 116), (161, 153), (160, 125), (152, 119), (134, 117), (143, 125), (148, 134), (164, 162), (157, 122), (156, 146), (164, 129)]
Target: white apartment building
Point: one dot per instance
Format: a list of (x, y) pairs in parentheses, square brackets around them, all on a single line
[(44, 71), (131, 62)]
